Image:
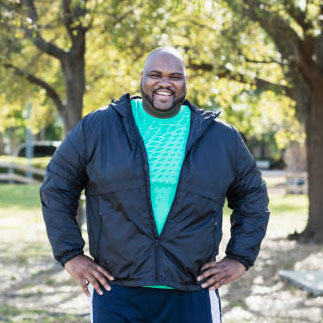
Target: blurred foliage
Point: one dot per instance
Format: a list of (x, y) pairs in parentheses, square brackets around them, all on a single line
[(215, 42)]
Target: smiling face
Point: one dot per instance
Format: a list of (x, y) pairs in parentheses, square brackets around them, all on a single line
[(163, 84)]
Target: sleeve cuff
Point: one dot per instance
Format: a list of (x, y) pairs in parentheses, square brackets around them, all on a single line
[(247, 264), (70, 255)]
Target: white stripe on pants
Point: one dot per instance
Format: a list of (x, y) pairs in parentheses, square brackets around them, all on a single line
[(215, 307), (90, 288)]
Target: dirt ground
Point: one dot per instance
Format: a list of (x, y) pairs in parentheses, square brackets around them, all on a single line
[(34, 288)]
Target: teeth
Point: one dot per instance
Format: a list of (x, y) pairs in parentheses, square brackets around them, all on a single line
[(164, 93)]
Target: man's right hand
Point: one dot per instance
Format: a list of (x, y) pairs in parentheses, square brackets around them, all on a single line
[(84, 270)]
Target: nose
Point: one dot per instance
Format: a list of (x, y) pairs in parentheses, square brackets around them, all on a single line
[(165, 82)]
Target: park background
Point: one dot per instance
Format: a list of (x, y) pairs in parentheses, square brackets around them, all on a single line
[(259, 62)]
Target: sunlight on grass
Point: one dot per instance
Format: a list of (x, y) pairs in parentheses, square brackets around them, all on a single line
[(289, 204), (19, 202), (295, 205), (23, 197)]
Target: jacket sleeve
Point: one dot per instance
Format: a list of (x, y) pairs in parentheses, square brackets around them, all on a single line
[(64, 180), (247, 197)]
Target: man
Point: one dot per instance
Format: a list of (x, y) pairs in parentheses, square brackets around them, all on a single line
[(156, 171)]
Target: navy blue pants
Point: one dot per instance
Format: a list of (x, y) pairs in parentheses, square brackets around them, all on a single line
[(155, 305)]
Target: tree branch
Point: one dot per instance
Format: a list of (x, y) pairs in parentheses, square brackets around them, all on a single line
[(72, 17), (74, 27), (298, 15), (67, 15), (202, 66), (239, 77), (34, 34), (199, 24), (285, 38), (299, 52), (258, 82), (35, 80), (269, 61)]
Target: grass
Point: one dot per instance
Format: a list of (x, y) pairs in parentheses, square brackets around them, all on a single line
[(284, 205), (289, 204), (19, 198), (25, 197)]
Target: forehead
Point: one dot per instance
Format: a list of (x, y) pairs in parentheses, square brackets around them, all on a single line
[(165, 63)]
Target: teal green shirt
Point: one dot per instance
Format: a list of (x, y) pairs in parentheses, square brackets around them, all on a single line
[(165, 142)]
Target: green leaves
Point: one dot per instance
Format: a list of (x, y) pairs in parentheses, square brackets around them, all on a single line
[(233, 63)]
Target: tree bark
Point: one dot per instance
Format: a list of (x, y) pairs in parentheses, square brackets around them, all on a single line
[(74, 75), (314, 142)]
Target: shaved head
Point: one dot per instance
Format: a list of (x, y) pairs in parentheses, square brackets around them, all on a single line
[(164, 51), (163, 82)]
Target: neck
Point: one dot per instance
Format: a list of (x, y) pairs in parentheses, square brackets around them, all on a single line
[(163, 114)]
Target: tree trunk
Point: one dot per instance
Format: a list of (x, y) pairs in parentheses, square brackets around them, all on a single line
[(314, 142), (74, 75)]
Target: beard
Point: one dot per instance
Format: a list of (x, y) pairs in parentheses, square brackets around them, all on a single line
[(148, 101)]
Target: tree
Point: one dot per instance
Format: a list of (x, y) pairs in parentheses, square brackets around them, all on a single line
[(25, 18), (45, 43), (296, 29)]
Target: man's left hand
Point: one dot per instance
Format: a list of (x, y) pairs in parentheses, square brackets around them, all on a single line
[(218, 273)]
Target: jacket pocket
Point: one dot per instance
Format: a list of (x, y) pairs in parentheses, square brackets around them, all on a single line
[(124, 245)]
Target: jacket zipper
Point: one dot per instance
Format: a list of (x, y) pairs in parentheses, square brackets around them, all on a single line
[(179, 179), (98, 248), (214, 240), (175, 197)]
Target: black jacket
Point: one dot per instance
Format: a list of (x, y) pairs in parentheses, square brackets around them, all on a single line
[(105, 154)]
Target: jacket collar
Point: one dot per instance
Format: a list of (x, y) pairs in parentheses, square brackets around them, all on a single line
[(200, 119)]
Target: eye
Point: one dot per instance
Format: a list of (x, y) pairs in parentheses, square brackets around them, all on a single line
[(154, 76), (176, 77)]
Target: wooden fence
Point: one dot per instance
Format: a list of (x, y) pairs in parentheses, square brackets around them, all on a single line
[(11, 176)]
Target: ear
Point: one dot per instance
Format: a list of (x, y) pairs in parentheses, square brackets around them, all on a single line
[(142, 75)]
